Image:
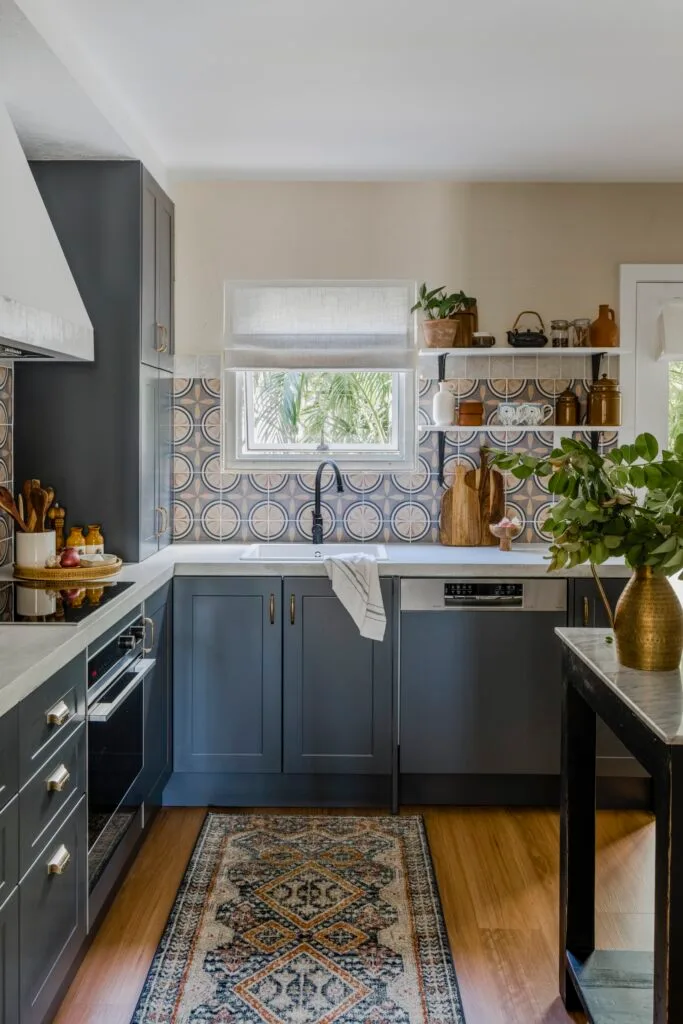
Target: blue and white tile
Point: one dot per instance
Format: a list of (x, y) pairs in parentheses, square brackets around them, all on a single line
[(304, 519), (363, 520), (410, 522), (268, 520)]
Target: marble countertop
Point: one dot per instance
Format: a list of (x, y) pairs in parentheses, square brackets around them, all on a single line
[(31, 654), (655, 697)]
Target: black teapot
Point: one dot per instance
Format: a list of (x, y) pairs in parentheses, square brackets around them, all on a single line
[(527, 338)]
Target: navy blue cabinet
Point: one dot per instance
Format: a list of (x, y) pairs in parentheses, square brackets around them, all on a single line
[(337, 685), (157, 700), (9, 960), (227, 674)]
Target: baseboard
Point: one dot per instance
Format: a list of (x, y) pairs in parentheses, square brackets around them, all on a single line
[(201, 789)]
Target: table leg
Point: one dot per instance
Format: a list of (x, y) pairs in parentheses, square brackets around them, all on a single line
[(668, 982), (577, 833)]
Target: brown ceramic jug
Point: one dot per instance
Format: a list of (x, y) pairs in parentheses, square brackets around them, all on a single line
[(604, 332)]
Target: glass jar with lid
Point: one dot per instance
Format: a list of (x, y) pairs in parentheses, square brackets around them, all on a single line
[(581, 332), (559, 333)]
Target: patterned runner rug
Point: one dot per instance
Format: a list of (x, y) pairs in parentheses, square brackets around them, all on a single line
[(305, 920)]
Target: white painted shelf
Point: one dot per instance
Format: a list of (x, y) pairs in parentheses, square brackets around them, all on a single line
[(510, 350), (546, 428)]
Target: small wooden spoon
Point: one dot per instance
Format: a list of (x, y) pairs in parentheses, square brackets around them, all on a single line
[(9, 505), (39, 506)]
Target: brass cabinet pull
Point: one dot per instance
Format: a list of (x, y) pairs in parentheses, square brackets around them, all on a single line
[(164, 519), (271, 609), (586, 612), (161, 332), (58, 715), (292, 609), (148, 622), (160, 511), (58, 780), (58, 861)]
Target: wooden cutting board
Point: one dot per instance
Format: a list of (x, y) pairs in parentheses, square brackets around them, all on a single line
[(475, 499)]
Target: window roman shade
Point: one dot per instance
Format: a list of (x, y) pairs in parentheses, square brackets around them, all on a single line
[(364, 325)]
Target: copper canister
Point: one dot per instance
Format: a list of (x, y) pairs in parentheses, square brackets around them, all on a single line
[(604, 403), (471, 414), (567, 409)]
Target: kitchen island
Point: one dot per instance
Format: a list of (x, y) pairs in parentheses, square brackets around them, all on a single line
[(645, 711)]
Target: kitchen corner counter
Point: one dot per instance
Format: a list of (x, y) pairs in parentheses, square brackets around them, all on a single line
[(31, 654)]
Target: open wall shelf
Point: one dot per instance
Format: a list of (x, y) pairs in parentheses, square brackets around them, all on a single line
[(497, 428), (499, 351)]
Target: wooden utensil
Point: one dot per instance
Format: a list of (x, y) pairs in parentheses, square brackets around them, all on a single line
[(39, 508), (26, 495), (490, 488), (8, 504)]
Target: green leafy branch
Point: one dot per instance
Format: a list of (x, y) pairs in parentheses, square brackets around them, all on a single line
[(438, 305)]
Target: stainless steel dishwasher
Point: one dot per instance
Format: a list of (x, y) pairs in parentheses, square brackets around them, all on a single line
[(480, 678)]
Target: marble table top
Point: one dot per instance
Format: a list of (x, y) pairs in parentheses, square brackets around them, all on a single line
[(655, 697)]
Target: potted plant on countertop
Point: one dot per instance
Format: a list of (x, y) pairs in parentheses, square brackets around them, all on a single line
[(627, 503), (449, 319)]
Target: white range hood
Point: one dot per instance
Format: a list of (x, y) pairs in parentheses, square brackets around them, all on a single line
[(41, 311)]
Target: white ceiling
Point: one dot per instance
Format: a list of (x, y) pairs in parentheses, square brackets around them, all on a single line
[(468, 89), (53, 117)]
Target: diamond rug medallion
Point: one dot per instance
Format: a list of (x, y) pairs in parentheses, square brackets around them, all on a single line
[(305, 920)]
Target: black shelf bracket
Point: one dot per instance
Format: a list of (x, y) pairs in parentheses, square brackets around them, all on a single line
[(442, 435), (596, 363)]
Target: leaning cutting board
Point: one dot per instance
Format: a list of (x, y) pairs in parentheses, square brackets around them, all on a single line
[(475, 499)]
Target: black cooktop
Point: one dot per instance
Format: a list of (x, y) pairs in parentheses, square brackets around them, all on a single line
[(41, 604)]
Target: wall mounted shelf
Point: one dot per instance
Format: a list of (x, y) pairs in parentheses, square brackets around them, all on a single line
[(497, 428), (509, 350)]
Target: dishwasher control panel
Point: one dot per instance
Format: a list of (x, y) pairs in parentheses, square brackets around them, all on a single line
[(476, 594)]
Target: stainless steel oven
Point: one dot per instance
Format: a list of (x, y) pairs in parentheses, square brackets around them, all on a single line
[(115, 742)]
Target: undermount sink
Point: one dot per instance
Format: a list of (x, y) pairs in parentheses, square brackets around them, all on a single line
[(309, 552)]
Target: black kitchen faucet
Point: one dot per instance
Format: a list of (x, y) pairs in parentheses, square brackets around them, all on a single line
[(317, 515)]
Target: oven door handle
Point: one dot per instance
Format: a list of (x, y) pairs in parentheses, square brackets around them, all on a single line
[(101, 711)]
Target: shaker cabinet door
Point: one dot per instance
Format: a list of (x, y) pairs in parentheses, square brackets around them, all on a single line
[(156, 305), (9, 960), (157, 699), (150, 515), (227, 674), (337, 685)]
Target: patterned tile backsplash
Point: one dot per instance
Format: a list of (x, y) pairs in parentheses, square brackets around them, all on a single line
[(6, 459), (390, 507)]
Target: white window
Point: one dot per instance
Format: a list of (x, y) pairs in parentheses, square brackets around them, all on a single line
[(319, 369)]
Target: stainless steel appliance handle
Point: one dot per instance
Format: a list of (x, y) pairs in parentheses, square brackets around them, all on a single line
[(102, 711)]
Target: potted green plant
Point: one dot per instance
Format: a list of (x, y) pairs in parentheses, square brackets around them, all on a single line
[(627, 503), (449, 319)]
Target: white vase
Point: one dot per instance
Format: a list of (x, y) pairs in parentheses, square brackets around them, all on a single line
[(443, 406)]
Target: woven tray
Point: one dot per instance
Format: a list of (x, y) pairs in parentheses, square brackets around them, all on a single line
[(80, 574)]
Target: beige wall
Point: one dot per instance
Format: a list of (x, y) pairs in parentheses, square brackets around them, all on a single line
[(555, 248)]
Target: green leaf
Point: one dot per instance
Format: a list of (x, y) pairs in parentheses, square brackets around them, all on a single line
[(637, 475), (612, 542), (647, 447), (678, 446), (670, 544)]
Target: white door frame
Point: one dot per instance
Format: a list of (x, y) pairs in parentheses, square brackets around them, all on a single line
[(644, 380)]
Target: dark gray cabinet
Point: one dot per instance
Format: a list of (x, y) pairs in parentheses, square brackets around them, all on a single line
[(473, 707), (157, 328), (227, 674), (52, 915), (157, 700), (337, 685), (9, 960), (9, 848), (9, 756), (106, 450)]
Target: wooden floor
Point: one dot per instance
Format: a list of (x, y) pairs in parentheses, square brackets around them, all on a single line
[(498, 876)]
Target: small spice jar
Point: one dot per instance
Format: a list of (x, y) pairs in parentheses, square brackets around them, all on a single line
[(567, 409), (604, 403), (559, 333), (482, 339), (581, 336), (76, 539)]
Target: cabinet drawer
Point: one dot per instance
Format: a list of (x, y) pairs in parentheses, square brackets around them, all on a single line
[(51, 794), (52, 915), (9, 960), (9, 756), (9, 849), (49, 715)]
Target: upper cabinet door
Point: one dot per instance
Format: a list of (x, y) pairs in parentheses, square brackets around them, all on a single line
[(337, 690), (156, 302), (164, 456), (227, 639)]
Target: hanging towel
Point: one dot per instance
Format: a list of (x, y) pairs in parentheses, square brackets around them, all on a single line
[(355, 581)]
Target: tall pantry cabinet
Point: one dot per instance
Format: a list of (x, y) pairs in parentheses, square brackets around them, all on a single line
[(101, 433)]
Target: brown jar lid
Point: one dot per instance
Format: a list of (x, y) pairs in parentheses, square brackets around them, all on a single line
[(605, 384)]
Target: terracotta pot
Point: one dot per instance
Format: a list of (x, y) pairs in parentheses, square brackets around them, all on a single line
[(648, 624), (440, 333), (604, 332)]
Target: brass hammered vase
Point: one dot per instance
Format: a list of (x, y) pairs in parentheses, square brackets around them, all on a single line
[(648, 623)]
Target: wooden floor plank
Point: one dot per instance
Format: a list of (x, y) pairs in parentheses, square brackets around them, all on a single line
[(497, 871)]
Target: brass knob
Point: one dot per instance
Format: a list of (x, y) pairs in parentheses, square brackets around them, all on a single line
[(58, 861), (58, 780), (59, 714)]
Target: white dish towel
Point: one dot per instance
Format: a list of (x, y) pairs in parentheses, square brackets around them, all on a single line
[(355, 581)]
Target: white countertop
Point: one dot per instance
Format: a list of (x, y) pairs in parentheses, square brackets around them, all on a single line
[(655, 697), (31, 654)]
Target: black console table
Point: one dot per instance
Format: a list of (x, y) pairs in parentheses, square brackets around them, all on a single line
[(645, 711)]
